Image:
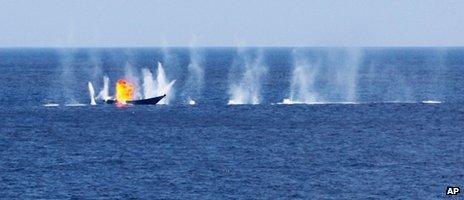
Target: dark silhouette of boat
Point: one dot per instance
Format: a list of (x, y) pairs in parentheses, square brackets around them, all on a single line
[(149, 101)]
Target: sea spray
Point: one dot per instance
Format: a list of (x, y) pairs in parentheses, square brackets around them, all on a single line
[(149, 85), (247, 89), (104, 93), (95, 61), (159, 87), (194, 85), (387, 82), (438, 70), (68, 82), (163, 85), (302, 89), (66, 85), (92, 94), (333, 79), (191, 102), (131, 76), (347, 74), (171, 62)]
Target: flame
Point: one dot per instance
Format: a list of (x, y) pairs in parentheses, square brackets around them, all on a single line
[(124, 91)]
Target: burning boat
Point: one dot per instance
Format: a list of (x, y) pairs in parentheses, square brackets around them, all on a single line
[(149, 101), (124, 95)]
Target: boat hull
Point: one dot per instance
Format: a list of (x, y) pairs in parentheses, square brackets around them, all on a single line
[(149, 101)]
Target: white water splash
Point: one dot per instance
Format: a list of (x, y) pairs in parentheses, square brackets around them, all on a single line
[(289, 102), (347, 74), (159, 87), (191, 102), (75, 104), (105, 92), (247, 90), (67, 68), (149, 85), (195, 80), (336, 82), (96, 70), (302, 88), (431, 102), (92, 94), (51, 105)]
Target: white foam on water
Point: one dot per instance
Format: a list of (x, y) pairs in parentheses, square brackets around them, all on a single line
[(75, 104), (399, 102), (431, 102), (290, 102), (51, 105), (235, 102), (191, 102)]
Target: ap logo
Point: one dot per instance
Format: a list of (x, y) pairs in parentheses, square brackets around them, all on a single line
[(452, 190)]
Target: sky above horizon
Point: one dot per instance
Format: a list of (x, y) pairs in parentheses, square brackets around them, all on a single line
[(144, 23)]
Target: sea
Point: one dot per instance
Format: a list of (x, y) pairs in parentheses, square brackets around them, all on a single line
[(237, 123)]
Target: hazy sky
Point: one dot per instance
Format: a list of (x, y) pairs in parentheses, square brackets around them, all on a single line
[(231, 23)]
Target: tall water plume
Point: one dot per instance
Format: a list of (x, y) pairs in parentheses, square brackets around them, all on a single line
[(92, 94), (171, 64), (347, 74), (158, 87), (333, 77), (302, 89), (94, 73), (439, 67), (149, 85), (246, 89), (95, 61), (195, 80), (105, 92), (68, 82)]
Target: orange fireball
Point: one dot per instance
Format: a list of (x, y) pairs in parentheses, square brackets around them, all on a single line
[(124, 91)]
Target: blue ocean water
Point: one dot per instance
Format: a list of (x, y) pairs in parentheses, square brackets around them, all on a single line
[(372, 133)]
